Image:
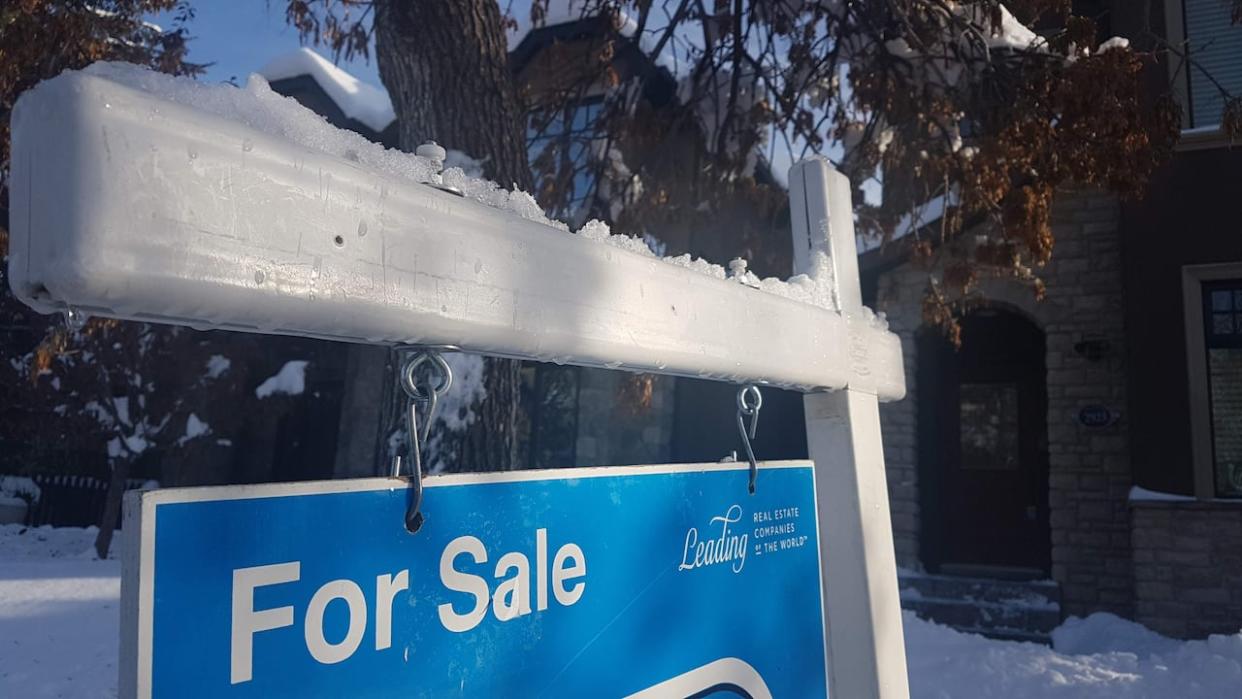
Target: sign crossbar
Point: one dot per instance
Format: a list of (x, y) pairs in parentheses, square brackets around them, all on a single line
[(183, 217)]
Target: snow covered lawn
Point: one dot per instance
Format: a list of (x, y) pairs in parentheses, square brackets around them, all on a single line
[(1100, 656), (59, 615)]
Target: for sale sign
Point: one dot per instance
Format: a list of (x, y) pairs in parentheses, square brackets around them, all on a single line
[(644, 581)]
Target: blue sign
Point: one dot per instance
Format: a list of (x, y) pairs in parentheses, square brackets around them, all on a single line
[(1096, 416), (634, 581)]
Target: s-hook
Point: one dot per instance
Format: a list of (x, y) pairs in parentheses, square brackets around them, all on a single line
[(749, 408), (438, 379)]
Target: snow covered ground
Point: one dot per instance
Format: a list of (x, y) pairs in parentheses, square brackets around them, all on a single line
[(59, 614), (1100, 656)]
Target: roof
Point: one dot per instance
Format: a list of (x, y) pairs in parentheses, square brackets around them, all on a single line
[(367, 104), (561, 14), (370, 106)]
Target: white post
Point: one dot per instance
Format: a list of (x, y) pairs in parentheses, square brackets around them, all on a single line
[(862, 609)]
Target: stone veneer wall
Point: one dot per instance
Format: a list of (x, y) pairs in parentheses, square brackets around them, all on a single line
[(1089, 475), (900, 296), (1188, 567)]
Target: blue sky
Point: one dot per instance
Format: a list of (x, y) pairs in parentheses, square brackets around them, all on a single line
[(240, 36)]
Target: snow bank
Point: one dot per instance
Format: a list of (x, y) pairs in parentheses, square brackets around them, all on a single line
[(19, 487), (359, 101), (19, 543), (59, 623), (1109, 633), (1100, 656), (59, 614), (290, 380)]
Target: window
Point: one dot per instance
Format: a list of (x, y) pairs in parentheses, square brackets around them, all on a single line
[(1216, 44), (1213, 306), (989, 426), (1222, 311), (559, 150)]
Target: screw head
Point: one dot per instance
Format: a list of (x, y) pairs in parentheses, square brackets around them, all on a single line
[(433, 152)]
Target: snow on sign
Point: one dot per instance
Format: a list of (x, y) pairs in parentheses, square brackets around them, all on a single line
[(649, 581), (213, 206)]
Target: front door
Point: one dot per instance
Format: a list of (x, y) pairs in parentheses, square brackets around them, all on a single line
[(983, 455)]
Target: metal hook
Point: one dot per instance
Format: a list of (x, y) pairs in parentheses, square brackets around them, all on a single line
[(751, 409), (415, 395)]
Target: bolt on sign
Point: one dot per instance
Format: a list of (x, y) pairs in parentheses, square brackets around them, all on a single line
[(648, 581)]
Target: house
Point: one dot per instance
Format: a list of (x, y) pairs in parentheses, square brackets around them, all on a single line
[(1078, 454), (1093, 438), (574, 416), (619, 418)]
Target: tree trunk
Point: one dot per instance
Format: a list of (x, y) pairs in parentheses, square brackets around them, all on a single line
[(112, 505), (445, 64)]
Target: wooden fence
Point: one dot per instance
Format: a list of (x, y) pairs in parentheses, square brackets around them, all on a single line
[(71, 501)]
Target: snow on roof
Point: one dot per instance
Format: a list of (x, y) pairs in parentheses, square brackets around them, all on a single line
[(918, 217), (564, 12), (112, 14), (364, 103), (370, 104)]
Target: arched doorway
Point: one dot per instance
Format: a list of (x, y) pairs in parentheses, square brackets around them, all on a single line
[(983, 457)]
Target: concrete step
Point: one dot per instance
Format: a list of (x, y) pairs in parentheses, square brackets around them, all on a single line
[(1008, 609)]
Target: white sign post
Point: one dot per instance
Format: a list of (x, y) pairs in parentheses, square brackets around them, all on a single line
[(130, 205), (866, 647)]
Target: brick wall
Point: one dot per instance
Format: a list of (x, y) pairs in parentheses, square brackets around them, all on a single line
[(900, 294), (1188, 567), (1089, 478), (1089, 467)]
